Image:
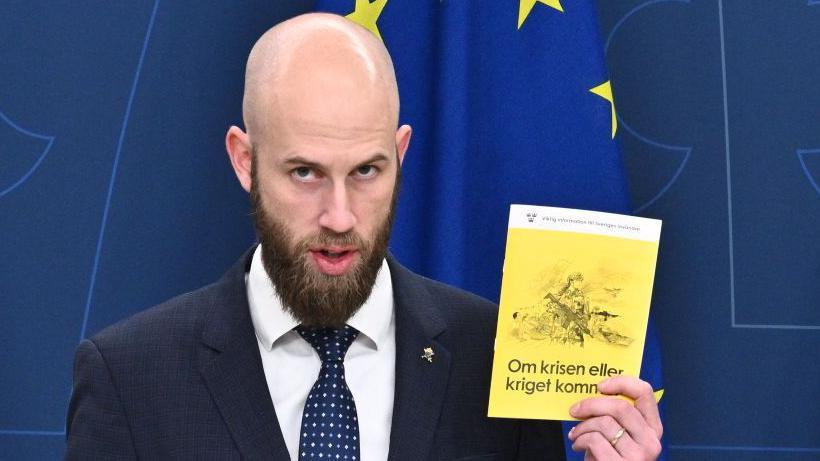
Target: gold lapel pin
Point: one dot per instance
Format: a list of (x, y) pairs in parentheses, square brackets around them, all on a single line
[(428, 354)]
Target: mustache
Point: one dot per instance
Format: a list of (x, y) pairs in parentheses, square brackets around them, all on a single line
[(326, 238)]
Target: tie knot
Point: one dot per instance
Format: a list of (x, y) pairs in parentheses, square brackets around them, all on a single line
[(330, 343)]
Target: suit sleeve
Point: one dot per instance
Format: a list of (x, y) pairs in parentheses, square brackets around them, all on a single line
[(541, 440), (97, 427)]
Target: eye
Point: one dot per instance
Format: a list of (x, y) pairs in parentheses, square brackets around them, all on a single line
[(303, 173), (366, 171)]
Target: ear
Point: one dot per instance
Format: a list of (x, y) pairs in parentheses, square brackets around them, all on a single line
[(238, 145), (403, 141)]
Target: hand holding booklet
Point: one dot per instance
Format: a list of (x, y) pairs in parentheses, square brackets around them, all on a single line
[(574, 307)]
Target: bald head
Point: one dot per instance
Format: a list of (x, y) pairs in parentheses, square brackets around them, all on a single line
[(312, 61)]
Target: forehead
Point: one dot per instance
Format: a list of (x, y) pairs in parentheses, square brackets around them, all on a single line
[(325, 142), (324, 113)]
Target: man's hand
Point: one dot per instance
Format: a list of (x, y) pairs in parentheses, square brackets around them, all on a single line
[(614, 429)]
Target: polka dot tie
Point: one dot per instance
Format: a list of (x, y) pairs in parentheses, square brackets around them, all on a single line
[(330, 427)]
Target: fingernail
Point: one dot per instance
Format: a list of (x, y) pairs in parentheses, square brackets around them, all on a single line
[(574, 409), (571, 430)]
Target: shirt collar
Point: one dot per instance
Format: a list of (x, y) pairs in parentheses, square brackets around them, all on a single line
[(271, 321)]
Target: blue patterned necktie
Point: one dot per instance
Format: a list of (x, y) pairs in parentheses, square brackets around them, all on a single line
[(330, 426)]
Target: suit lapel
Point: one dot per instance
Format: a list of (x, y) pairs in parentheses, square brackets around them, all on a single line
[(420, 384), (229, 362)]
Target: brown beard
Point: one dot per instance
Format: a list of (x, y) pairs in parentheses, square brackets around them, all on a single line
[(313, 298)]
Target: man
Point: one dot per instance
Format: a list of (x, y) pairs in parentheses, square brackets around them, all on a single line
[(317, 344)]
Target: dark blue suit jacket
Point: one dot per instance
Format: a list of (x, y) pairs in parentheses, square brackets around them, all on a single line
[(184, 380)]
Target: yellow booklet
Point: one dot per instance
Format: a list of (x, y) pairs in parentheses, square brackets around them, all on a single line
[(574, 307)]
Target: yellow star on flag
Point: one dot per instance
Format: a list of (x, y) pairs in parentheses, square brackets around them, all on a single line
[(525, 6), (604, 90), (366, 13)]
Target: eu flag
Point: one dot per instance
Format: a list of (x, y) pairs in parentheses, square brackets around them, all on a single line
[(510, 102)]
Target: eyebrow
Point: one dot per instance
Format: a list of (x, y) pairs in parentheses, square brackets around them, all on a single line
[(299, 160), (376, 158)]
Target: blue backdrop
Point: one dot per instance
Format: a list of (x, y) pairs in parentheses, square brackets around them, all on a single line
[(115, 194)]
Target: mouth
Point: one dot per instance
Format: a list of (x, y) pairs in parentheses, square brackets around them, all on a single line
[(334, 260)]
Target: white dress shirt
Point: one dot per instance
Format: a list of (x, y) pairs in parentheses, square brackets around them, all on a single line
[(292, 365)]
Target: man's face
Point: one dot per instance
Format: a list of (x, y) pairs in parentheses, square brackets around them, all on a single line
[(324, 183)]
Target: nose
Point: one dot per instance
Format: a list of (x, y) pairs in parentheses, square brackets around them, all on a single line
[(337, 215)]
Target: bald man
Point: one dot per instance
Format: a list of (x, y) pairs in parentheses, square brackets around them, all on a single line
[(318, 344)]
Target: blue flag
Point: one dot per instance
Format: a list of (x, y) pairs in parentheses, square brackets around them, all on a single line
[(510, 102)]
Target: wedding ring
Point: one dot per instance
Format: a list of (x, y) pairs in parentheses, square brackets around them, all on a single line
[(617, 437)]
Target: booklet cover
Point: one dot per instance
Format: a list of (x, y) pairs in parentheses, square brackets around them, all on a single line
[(574, 307)]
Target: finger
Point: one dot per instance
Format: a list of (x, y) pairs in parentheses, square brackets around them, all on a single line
[(630, 449), (610, 430), (606, 425), (639, 391), (594, 444), (623, 412)]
